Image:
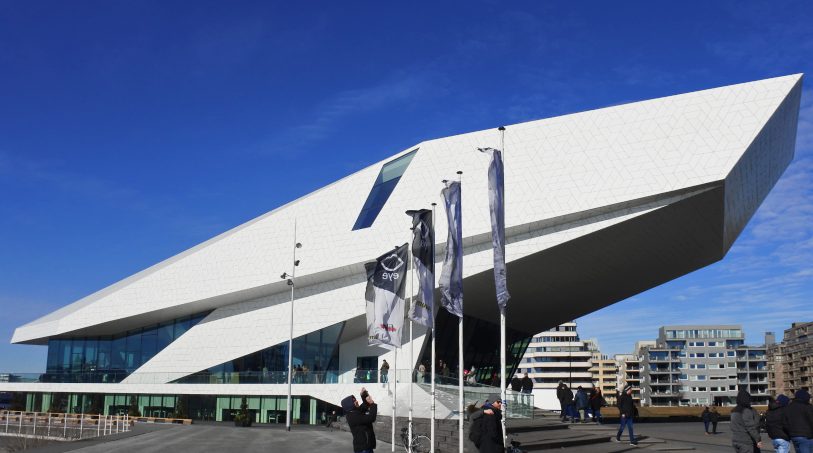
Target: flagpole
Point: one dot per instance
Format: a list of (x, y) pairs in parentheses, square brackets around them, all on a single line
[(394, 396), (432, 365), (503, 372), (411, 337), (460, 346), (292, 282)]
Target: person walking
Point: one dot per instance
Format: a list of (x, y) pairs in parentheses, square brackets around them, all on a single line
[(798, 419), (745, 437), (360, 419), (715, 418), (561, 395), (626, 410), (596, 403), (706, 416), (527, 389), (775, 424), (385, 371), (582, 403)]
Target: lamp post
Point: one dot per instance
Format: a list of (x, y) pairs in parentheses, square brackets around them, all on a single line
[(291, 282)]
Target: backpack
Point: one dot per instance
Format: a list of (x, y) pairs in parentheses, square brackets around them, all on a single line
[(476, 429)]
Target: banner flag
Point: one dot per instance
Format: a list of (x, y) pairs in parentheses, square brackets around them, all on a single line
[(369, 296), (387, 284), (423, 253), (451, 277), (496, 201)]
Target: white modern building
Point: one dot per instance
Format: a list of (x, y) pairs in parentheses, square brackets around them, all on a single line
[(600, 205), (553, 356)]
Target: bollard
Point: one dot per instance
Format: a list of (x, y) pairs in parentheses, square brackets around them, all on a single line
[(81, 424), (98, 424), (35, 424), (49, 425), (65, 426), (7, 417), (20, 429)]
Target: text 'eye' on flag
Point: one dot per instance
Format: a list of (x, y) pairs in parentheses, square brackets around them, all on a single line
[(386, 279)]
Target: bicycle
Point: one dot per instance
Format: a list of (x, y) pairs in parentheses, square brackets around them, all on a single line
[(418, 443)]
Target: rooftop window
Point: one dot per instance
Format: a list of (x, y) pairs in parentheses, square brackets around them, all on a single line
[(387, 179)]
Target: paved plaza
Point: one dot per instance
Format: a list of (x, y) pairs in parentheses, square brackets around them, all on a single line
[(203, 437)]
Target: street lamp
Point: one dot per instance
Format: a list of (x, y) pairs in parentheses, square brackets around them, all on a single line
[(290, 278)]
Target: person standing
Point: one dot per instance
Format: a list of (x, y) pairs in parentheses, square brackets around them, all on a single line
[(596, 403), (561, 395), (582, 403), (360, 419), (626, 410), (745, 437), (775, 424), (491, 440), (384, 371), (421, 372), (516, 388), (715, 418), (527, 389), (798, 418), (706, 416)]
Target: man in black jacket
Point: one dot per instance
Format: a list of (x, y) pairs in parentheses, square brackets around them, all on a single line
[(360, 418), (491, 440), (527, 389), (516, 388), (626, 410), (565, 397), (775, 424), (798, 418)]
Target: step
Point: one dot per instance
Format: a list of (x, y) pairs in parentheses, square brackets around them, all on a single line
[(548, 440), (518, 425)]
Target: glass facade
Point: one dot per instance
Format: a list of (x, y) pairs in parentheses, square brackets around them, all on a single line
[(111, 358), (387, 179), (315, 360), (481, 351), (263, 409)]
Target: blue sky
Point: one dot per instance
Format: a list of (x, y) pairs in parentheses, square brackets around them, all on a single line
[(131, 131)]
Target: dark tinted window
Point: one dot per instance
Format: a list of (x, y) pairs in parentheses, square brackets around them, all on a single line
[(387, 179)]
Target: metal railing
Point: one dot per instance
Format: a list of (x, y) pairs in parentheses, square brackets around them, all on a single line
[(47, 425)]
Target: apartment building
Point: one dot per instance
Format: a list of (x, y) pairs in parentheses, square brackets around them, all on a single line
[(791, 361), (605, 373), (557, 354), (702, 365)]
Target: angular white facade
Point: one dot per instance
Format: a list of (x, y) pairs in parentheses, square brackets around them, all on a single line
[(600, 205)]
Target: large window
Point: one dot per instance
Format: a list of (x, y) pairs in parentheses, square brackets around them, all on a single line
[(387, 179), (315, 361), (111, 358)]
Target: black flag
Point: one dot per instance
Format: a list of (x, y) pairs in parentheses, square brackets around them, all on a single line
[(423, 253), (388, 293)]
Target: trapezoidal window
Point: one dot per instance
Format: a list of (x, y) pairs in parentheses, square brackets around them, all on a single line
[(387, 179)]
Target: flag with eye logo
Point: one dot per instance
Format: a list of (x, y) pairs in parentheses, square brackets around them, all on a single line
[(385, 286)]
